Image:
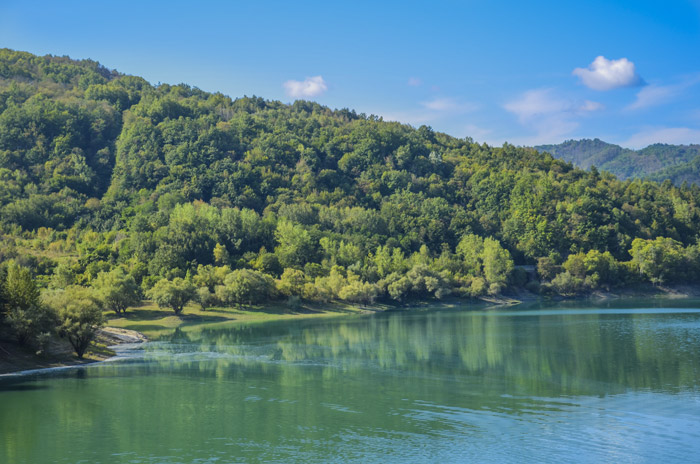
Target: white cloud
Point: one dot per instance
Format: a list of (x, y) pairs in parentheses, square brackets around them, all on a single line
[(671, 135), (308, 88), (414, 82), (588, 106), (448, 105), (539, 103), (430, 111), (551, 117), (534, 103), (414, 118), (604, 74), (654, 95)]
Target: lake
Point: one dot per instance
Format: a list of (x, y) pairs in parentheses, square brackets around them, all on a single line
[(618, 382)]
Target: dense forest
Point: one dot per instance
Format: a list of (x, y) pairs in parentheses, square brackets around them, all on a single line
[(677, 163), (113, 190)]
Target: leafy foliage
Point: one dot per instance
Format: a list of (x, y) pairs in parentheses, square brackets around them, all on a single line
[(179, 194), (23, 311), (117, 289), (80, 315), (174, 293)]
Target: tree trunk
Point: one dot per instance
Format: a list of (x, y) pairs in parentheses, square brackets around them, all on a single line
[(80, 345)]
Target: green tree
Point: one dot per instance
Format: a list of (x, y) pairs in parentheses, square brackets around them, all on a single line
[(80, 316), (246, 286), (575, 264), (210, 276), (568, 284), (174, 294), (30, 324), (602, 268), (27, 317), (328, 287), (62, 276), (357, 291), (547, 268), (470, 248), (660, 259), (19, 290), (221, 256), (292, 282), (206, 298), (498, 265), (267, 262), (117, 289), (296, 247)]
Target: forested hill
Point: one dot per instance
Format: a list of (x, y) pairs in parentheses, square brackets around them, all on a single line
[(104, 174), (677, 163)]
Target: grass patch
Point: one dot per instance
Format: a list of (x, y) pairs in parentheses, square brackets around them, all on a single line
[(98, 351), (153, 321)]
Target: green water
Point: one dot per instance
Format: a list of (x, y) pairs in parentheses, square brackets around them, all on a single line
[(538, 384)]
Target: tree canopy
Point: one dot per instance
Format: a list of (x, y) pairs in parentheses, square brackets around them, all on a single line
[(109, 182)]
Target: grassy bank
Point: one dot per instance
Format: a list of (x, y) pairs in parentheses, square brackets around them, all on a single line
[(153, 321)]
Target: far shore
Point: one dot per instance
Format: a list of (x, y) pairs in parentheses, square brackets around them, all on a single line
[(148, 321)]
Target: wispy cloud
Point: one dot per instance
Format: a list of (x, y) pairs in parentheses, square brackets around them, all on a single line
[(308, 88), (654, 95), (431, 111), (604, 74), (588, 106), (414, 118), (542, 102), (671, 135), (414, 81), (550, 116), (450, 105)]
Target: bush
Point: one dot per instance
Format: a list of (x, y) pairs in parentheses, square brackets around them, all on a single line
[(30, 324), (567, 284)]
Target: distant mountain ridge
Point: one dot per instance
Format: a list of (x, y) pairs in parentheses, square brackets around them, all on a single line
[(678, 163)]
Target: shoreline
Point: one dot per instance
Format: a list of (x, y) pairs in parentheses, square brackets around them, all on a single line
[(121, 330), (101, 351)]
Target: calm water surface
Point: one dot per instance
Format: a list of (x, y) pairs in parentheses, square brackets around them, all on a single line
[(539, 384)]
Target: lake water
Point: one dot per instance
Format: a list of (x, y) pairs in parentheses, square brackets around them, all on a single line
[(527, 384)]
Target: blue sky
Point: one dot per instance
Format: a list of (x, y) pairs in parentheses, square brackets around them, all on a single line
[(522, 72)]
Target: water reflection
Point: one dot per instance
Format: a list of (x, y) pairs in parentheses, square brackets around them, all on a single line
[(540, 385), (540, 354)]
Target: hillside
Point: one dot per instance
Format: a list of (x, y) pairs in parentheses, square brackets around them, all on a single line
[(678, 163), (248, 199)]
